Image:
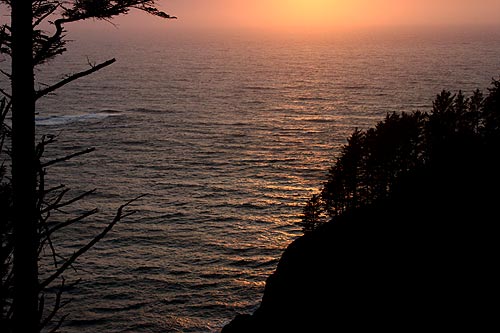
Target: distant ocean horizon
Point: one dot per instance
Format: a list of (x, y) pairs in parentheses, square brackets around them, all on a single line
[(228, 137)]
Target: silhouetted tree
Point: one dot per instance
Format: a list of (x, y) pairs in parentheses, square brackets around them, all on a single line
[(491, 113), (6, 241), (376, 162), (312, 214), (29, 46)]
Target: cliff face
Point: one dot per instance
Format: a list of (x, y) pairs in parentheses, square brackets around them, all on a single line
[(425, 258)]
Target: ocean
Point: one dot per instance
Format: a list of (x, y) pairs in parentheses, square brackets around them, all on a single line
[(227, 136)]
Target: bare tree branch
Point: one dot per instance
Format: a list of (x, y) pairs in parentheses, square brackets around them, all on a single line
[(68, 157), (68, 222), (41, 306), (72, 78), (56, 206), (59, 323), (57, 306), (51, 245), (3, 92), (44, 47), (4, 108), (6, 74), (119, 216), (55, 188), (56, 201)]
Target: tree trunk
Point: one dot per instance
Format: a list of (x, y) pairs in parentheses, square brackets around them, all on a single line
[(24, 168)]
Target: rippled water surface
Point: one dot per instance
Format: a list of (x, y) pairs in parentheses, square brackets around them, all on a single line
[(227, 137)]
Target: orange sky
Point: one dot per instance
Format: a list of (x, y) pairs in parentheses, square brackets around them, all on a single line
[(315, 15)]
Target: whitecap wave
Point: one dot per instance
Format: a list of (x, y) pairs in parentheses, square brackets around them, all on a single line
[(68, 119)]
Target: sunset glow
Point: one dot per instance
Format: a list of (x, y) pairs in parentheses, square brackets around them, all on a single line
[(235, 166), (331, 14), (310, 16), (301, 13)]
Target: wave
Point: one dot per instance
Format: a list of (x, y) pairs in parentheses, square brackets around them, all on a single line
[(355, 87), (312, 99), (258, 88), (68, 119)]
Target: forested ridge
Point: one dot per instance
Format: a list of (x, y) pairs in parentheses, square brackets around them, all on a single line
[(458, 133), (402, 234)]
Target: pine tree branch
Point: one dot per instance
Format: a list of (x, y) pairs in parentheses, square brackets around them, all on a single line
[(81, 11), (49, 11), (72, 78)]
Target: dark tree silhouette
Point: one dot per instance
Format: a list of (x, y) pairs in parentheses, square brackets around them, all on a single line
[(376, 162), (491, 113), (28, 46), (6, 241), (412, 232), (312, 214), (343, 192)]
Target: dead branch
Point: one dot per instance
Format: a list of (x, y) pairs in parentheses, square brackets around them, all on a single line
[(68, 157), (59, 323), (5, 73), (68, 222), (4, 108), (41, 306), (3, 92), (72, 78), (51, 245), (57, 205), (41, 185), (56, 308), (56, 201), (119, 216), (55, 188), (46, 140), (2, 141)]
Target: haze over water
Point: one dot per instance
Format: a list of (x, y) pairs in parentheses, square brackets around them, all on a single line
[(228, 136)]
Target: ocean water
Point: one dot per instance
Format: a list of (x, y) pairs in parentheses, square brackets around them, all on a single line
[(227, 137)]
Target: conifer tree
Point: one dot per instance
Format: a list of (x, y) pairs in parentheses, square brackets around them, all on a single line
[(28, 45), (374, 163)]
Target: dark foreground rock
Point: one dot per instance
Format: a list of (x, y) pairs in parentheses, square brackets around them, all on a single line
[(425, 259)]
